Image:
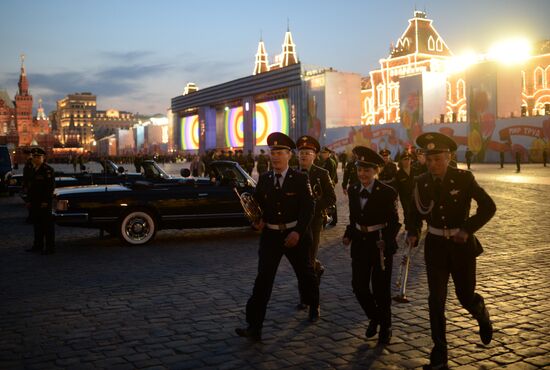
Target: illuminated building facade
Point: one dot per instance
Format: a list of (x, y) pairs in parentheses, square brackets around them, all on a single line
[(421, 49), (243, 112), (279, 96), (80, 124), (18, 127)]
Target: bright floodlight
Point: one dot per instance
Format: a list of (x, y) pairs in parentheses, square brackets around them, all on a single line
[(510, 51), (461, 62)]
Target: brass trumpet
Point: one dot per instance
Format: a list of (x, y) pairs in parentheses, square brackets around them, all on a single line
[(251, 208)]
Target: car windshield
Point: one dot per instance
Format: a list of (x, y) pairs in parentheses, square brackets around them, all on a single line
[(152, 171)]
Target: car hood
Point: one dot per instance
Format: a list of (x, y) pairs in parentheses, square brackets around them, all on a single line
[(89, 189)]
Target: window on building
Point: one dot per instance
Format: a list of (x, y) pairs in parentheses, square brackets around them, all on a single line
[(381, 100), (449, 96), (431, 43), (538, 78), (439, 44), (460, 89)]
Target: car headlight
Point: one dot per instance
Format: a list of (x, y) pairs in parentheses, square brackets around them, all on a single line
[(61, 205)]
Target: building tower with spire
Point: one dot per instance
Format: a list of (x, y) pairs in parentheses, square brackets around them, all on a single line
[(262, 64), (289, 50), (23, 108), (286, 58)]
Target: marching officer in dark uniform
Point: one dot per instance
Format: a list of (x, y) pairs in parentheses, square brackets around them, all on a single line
[(419, 165), (389, 169), (373, 227), (39, 198), (323, 193), (262, 163), (28, 170), (249, 163), (350, 174), (285, 197), (331, 166), (404, 181), (469, 155), (442, 196)]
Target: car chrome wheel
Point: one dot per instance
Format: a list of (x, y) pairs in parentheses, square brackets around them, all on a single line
[(137, 228)]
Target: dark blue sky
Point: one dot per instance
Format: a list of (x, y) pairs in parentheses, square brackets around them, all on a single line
[(138, 54)]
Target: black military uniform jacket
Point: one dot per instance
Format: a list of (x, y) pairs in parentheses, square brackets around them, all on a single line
[(350, 175), (452, 209), (381, 208), (41, 186), (388, 173), (323, 190), (404, 184), (294, 202), (330, 166)]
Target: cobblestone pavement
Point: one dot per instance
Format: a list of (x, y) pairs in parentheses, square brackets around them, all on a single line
[(174, 304)]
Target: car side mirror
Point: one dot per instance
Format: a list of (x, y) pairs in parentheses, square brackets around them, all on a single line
[(185, 172), (121, 170)]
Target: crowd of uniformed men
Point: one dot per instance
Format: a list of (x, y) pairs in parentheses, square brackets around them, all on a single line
[(296, 196)]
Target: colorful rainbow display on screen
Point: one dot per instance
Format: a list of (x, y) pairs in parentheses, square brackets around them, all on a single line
[(190, 133), (233, 123), (271, 116)]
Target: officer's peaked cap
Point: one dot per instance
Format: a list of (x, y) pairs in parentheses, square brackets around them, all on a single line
[(38, 151), (278, 140), (366, 157), (385, 152), (308, 142), (435, 142)]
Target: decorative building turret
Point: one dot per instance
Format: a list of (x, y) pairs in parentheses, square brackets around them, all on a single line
[(23, 108), (262, 64), (289, 50), (40, 115), (23, 82)]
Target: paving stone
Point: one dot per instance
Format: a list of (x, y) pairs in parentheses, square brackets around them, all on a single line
[(175, 303)]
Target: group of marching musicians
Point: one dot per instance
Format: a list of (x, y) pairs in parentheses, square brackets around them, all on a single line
[(294, 202)]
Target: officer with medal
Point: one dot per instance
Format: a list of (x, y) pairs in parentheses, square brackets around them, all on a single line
[(323, 193), (442, 196), (373, 227), (389, 169), (41, 185), (285, 197)]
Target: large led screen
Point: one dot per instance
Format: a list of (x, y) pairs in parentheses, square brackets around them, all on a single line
[(233, 123), (271, 116), (190, 132)]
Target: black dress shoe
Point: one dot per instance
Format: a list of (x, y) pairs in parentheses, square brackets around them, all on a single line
[(314, 313), (371, 329), (435, 367), (301, 307), (485, 331), (252, 334), (384, 336)]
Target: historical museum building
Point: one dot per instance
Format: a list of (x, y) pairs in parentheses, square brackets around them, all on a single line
[(18, 127)]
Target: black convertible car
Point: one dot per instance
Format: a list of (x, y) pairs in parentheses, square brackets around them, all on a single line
[(98, 172), (136, 211)]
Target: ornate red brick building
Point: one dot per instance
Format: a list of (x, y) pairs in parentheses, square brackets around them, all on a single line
[(18, 127)]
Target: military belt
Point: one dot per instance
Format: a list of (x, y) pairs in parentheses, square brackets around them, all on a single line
[(281, 226), (371, 228), (447, 233)]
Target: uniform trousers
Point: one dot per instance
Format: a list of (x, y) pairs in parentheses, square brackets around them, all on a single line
[(44, 228), (316, 227), (271, 251), (366, 271), (446, 258)]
